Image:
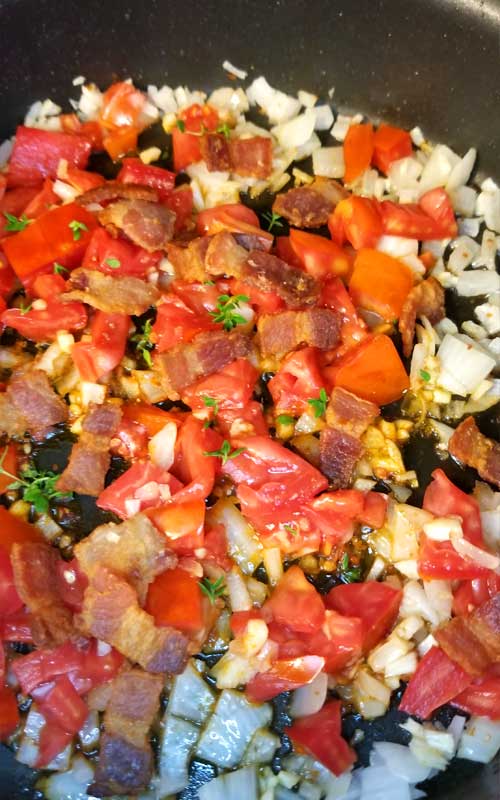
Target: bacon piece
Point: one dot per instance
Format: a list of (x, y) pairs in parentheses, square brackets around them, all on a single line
[(149, 225), (121, 294), (280, 333), (12, 422), (253, 241), (111, 612), (473, 642), (116, 190), (31, 394), (207, 353), (473, 448), (338, 453), (349, 413), (310, 206), (270, 274), (189, 260), (252, 157), (90, 457), (34, 565), (215, 152), (125, 763), (485, 623), (224, 256), (133, 549), (426, 299)]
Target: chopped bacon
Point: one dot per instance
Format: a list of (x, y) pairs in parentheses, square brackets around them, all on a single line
[(476, 450), (31, 394), (473, 642), (224, 256), (310, 206), (252, 157), (116, 190), (270, 274), (253, 241), (111, 612), (207, 353), (349, 413), (426, 299), (90, 457), (339, 452), (215, 152), (34, 567), (280, 333), (13, 423), (189, 260), (149, 225), (117, 295), (133, 549), (125, 763)]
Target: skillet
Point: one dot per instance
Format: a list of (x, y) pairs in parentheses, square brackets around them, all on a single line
[(429, 62)]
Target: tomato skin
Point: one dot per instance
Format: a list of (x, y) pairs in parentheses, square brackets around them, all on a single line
[(181, 202), (36, 155), (473, 593), (358, 220), (319, 734), (114, 497), (177, 324), (122, 106), (182, 524), (107, 348), (45, 198), (9, 713), (437, 681), (440, 561), (442, 498), (234, 218), (71, 593), (9, 463), (339, 641), (14, 529), (52, 741), (261, 302), (132, 260), (61, 705), (196, 470), (319, 257), (358, 150), (432, 218), (380, 283), (16, 627), (437, 205), (390, 144), (152, 418), (186, 147), (283, 676), (14, 201), (120, 141), (175, 598), (296, 603), (134, 171), (8, 278), (42, 325), (10, 602), (372, 370), (89, 130), (482, 697), (376, 604), (49, 286), (231, 387), (298, 379), (374, 510)]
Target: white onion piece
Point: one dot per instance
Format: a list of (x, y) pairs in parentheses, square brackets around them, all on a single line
[(480, 740), (476, 554), (243, 544), (401, 761), (440, 597), (278, 106), (474, 283), (324, 118), (296, 131), (178, 740), (461, 172), (311, 698), (456, 728), (191, 697), (490, 522), (329, 162), (378, 783), (231, 728), (463, 364), (438, 168), (262, 747), (238, 592), (397, 246), (238, 785), (72, 784)]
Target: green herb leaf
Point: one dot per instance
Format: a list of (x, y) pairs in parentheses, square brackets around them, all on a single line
[(24, 309), (224, 452), (273, 220), (77, 227), (208, 283), (210, 402), (16, 224), (224, 129), (38, 487), (227, 311), (59, 269), (425, 375), (212, 589), (348, 574), (285, 419), (319, 404), (114, 263), (181, 125), (143, 343), (291, 529)]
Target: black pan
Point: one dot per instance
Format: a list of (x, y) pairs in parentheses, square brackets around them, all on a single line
[(429, 62)]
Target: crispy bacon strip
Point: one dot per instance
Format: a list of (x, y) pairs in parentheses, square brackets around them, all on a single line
[(310, 206), (13, 423), (270, 274), (120, 294), (215, 152), (252, 157), (149, 225), (111, 612), (189, 260), (349, 413), (133, 549), (473, 448), (207, 353), (116, 190), (125, 763), (338, 453), (426, 299), (90, 457), (30, 393), (473, 642), (34, 567), (224, 256), (280, 333)]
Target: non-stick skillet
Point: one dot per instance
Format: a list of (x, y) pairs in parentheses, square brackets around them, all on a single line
[(435, 63)]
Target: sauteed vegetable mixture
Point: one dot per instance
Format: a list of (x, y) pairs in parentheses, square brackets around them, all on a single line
[(226, 321)]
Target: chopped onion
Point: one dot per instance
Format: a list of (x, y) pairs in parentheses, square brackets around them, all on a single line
[(243, 544), (231, 728), (297, 131), (456, 728), (378, 783), (329, 162), (238, 592), (90, 731), (177, 742), (476, 282), (440, 597), (239, 73), (238, 785), (191, 697), (324, 118), (273, 564), (400, 760), (161, 446), (278, 106), (310, 698), (397, 246), (463, 364), (490, 522), (461, 172), (480, 740), (438, 168), (72, 784), (262, 747), (476, 554), (440, 528)]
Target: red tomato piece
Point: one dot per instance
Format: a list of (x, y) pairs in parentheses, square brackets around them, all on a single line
[(152, 418), (9, 713), (198, 118), (9, 463), (194, 120), (358, 150), (200, 297), (89, 130), (298, 380), (176, 324), (440, 561), (182, 524), (134, 171), (10, 602), (353, 329), (443, 499), (14, 529), (319, 735), (186, 149), (234, 218), (42, 325), (283, 676), (181, 202), (120, 142), (61, 705), (16, 627), (437, 205), (49, 286), (107, 348), (8, 278), (374, 510), (357, 219), (36, 155), (117, 256), (122, 106), (192, 467), (339, 641), (284, 250), (432, 218), (71, 583), (175, 599), (261, 302), (380, 283), (482, 697), (437, 681), (44, 200), (333, 514), (232, 387), (80, 179), (251, 414), (124, 496), (14, 202), (53, 740), (42, 666), (390, 144), (296, 603), (372, 370), (473, 593), (376, 604), (319, 257)]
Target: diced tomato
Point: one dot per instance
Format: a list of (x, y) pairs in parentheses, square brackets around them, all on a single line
[(9, 713), (186, 147), (9, 463), (261, 302), (358, 220), (339, 641), (175, 598), (432, 218), (200, 297), (353, 329), (182, 524), (50, 239), (44, 200), (176, 324), (232, 217), (117, 256), (250, 419), (472, 593), (320, 257), (437, 205), (49, 286), (16, 627), (42, 325), (437, 681), (89, 130), (283, 676), (134, 171), (152, 418), (79, 179), (240, 619), (376, 604), (319, 735), (380, 283), (192, 467), (440, 561), (358, 151), (10, 602), (14, 202), (181, 202), (71, 583), (444, 499), (122, 106), (374, 510), (124, 497), (296, 603), (232, 387), (120, 142), (215, 546), (61, 705), (53, 741), (332, 516), (298, 380), (199, 118), (36, 155), (390, 144), (482, 697), (109, 339), (14, 529), (372, 370), (8, 278)]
